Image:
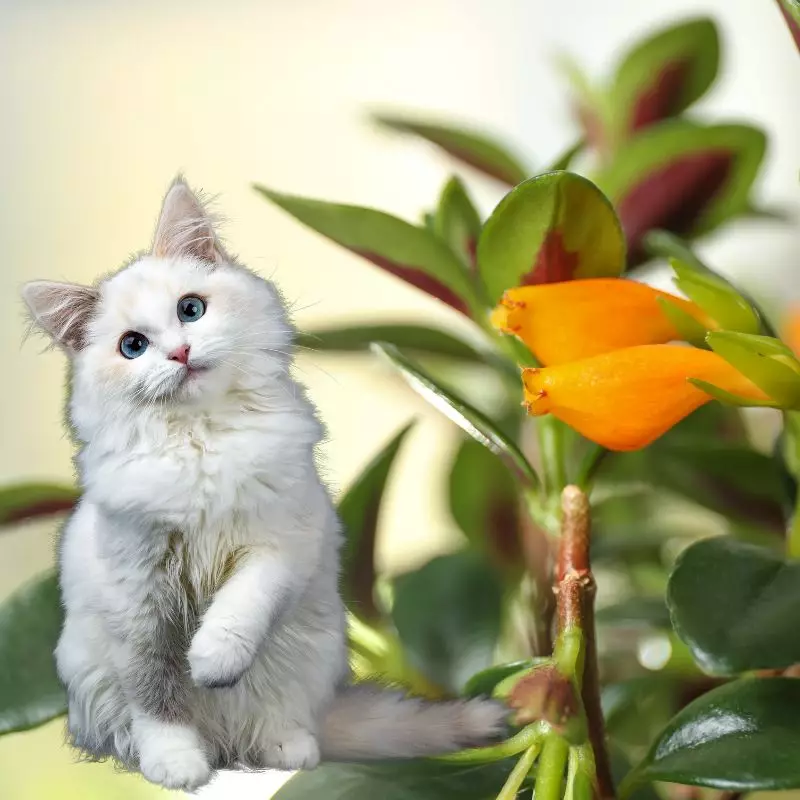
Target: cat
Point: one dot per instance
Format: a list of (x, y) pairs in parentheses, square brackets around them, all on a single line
[(204, 628)]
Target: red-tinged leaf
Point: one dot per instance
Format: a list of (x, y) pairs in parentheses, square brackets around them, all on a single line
[(471, 147), (664, 74), (791, 13), (417, 255), (27, 501), (683, 178), (553, 227)]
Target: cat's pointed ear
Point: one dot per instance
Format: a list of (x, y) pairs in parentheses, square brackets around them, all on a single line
[(185, 228), (62, 310)]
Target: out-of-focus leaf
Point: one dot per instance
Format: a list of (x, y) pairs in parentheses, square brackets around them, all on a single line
[(476, 424), (649, 612), (358, 509), (736, 606), (682, 177), (448, 615), (740, 737), (637, 709), (665, 74), (420, 779), (484, 682), (30, 623), (457, 222), (791, 13), (472, 147), (419, 338), (24, 501), (414, 254), (553, 227), (591, 105), (484, 501), (620, 767), (666, 245), (564, 161)]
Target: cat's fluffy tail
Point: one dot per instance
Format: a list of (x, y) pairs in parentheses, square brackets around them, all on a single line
[(368, 721)]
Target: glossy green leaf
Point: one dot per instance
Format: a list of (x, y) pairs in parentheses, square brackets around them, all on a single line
[(766, 361), (553, 227), (448, 615), (24, 501), (736, 606), (682, 177), (664, 74), (476, 424), (414, 254), (484, 501), (717, 298), (485, 681), (472, 147), (458, 223), (400, 780), (417, 338), (30, 623), (740, 737), (359, 508)]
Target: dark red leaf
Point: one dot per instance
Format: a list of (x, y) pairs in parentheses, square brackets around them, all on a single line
[(418, 278), (43, 508), (673, 198), (554, 262), (793, 24), (662, 98)]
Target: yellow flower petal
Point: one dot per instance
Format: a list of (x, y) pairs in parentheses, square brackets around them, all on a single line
[(626, 399), (568, 321)]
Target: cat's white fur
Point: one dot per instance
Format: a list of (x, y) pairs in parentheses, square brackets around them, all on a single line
[(199, 572)]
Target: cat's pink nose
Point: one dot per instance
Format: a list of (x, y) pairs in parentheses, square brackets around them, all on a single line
[(180, 354)]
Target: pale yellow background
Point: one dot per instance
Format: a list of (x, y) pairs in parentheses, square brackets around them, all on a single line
[(102, 102)]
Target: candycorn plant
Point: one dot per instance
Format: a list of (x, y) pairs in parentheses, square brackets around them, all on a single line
[(627, 580)]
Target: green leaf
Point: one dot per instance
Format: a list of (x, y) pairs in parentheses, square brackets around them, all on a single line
[(457, 222), (24, 501), (420, 338), (766, 361), (647, 612), (448, 616), (468, 418), (736, 606), (564, 161), (553, 227), (414, 254), (666, 245), (665, 74), (717, 298), (591, 104), (30, 623), (728, 398), (472, 147), (688, 327), (485, 681), (741, 737), (682, 177), (484, 502), (400, 780), (358, 509)]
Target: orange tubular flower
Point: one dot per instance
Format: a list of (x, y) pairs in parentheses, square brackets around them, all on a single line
[(626, 399), (562, 322)]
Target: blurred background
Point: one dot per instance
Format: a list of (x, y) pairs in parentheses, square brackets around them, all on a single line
[(103, 102)]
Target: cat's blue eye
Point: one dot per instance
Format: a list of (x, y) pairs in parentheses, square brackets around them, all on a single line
[(133, 344), (191, 308)]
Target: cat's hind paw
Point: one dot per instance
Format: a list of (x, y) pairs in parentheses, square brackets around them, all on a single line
[(173, 757), (218, 658), (293, 749)]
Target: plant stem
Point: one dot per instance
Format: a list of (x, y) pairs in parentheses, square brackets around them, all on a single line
[(550, 774), (519, 773), (575, 590), (551, 442)]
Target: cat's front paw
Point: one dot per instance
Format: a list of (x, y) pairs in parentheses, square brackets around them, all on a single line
[(293, 749), (218, 657), (172, 756)]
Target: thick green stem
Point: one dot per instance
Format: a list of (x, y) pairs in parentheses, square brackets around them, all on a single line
[(551, 443), (550, 774)]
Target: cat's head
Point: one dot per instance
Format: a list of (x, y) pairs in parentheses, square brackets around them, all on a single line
[(181, 324)]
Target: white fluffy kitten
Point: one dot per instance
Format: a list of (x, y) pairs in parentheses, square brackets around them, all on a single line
[(204, 627)]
